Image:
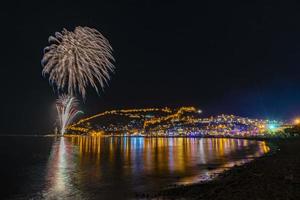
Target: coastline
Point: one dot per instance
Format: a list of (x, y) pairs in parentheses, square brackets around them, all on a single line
[(275, 175), (258, 137)]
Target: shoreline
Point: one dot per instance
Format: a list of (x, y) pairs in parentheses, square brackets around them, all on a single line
[(258, 138), (276, 175)]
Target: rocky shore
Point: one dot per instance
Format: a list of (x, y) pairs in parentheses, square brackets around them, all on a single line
[(273, 176)]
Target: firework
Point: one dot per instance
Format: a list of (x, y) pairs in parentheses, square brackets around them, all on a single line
[(67, 109), (75, 60)]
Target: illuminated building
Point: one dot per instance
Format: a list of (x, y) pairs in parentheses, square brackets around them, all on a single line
[(183, 121)]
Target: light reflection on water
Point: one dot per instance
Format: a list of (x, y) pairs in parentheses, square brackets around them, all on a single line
[(60, 167), (96, 167)]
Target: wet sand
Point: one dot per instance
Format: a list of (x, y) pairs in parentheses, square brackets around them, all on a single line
[(273, 176)]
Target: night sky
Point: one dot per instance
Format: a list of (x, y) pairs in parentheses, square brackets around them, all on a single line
[(235, 58)]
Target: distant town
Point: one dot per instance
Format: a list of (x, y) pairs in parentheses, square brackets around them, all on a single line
[(183, 121)]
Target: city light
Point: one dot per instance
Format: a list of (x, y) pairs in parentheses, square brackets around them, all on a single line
[(182, 121), (272, 127), (297, 121)]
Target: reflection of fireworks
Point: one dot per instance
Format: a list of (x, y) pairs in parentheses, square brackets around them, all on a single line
[(77, 59), (67, 109)]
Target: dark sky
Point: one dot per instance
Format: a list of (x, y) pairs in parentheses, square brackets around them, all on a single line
[(223, 57)]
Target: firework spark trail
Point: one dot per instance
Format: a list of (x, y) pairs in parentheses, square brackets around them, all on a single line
[(67, 109), (77, 59)]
